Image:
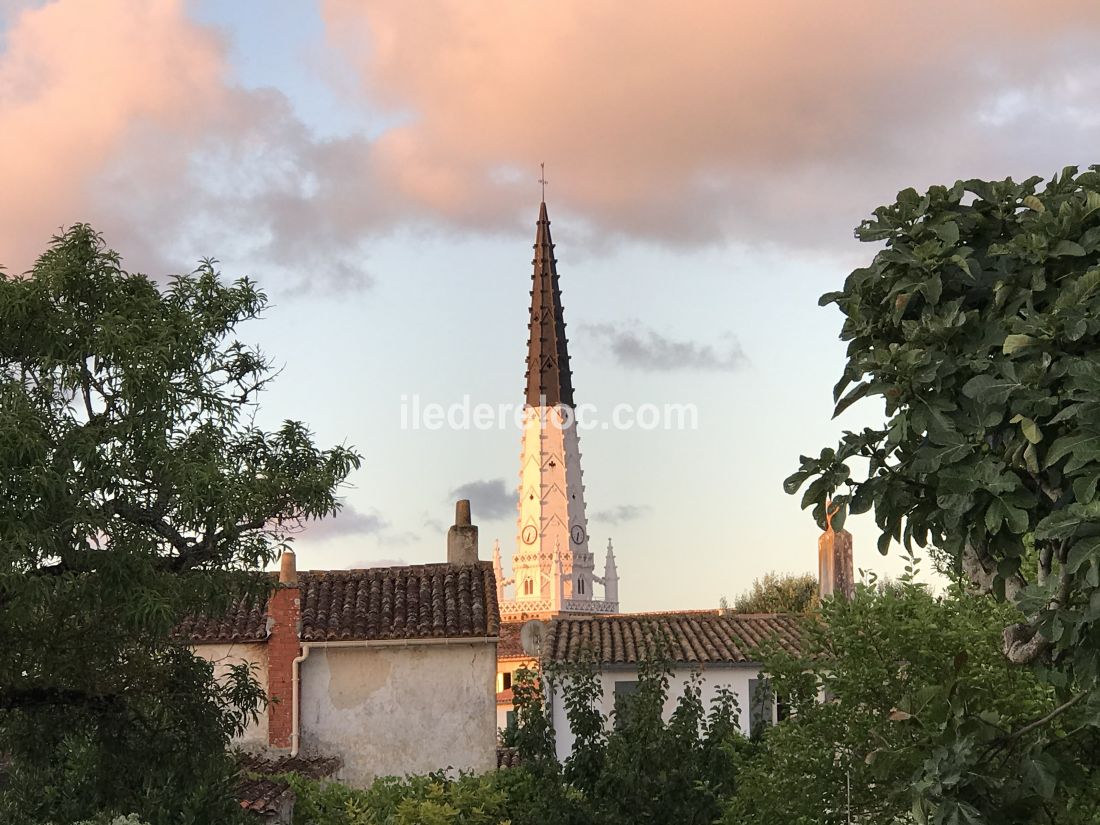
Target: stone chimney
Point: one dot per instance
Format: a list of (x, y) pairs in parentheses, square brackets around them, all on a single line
[(462, 537), (834, 561), (283, 647)]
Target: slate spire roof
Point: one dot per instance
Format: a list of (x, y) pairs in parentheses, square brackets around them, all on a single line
[(549, 380)]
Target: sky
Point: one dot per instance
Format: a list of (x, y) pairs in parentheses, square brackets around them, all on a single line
[(374, 166)]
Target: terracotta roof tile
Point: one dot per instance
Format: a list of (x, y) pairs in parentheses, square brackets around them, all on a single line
[(313, 767), (697, 637), (408, 602), (508, 757), (263, 796), (509, 646), (246, 621)]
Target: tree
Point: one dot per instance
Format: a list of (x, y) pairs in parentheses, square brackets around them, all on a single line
[(780, 593), (923, 721), (134, 490), (977, 326), (636, 766)]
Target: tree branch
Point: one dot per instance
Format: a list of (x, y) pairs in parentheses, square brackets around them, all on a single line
[(1038, 723)]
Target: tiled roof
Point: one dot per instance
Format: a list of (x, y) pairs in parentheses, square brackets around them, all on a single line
[(313, 767), (505, 697), (507, 757), (261, 791), (699, 637), (509, 646), (246, 621), (409, 602), (265, 797)]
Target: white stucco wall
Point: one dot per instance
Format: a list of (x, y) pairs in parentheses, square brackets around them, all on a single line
[(254, 653), (400, 709), (735, 677)]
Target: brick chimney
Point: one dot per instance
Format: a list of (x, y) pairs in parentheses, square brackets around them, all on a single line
[(834, 561), (283, 647), (462, 537)]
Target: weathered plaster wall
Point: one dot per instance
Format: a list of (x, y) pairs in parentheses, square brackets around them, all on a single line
[(398, 709), (254, 653), (735, 677)]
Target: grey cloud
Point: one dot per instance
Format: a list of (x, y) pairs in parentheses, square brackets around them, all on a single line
[(489, 499), (621, 514), (348, 522), (637, 347)]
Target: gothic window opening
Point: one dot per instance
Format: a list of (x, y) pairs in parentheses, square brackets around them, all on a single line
[(528, 587), (580, 586)]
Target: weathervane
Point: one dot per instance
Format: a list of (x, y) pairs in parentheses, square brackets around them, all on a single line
[(543, 180)]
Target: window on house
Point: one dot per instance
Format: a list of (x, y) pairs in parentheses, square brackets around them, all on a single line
[(528, 587), (506, 681), (624, 694), (510, 719), (782, 709), (761, 706), (623, 689)]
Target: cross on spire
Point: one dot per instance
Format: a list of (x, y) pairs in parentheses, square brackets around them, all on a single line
[(542, 179)]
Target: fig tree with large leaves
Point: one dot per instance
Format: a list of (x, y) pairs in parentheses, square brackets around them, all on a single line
[(976, 328), (135, 489)]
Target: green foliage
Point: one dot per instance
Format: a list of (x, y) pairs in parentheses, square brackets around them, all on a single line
[(417, 800), (977, 325), (780, 593), (925, 721), (134, 490), (635, 766)]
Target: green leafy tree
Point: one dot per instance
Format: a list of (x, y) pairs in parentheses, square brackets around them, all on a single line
[(134, 490), (779, 593), (977, 325), (636, 766), (923, 720)]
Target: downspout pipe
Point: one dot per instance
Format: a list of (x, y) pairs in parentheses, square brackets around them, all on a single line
[(295, 700)]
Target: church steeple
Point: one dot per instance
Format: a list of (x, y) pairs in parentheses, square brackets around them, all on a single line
[(552, 568), (549, 379)]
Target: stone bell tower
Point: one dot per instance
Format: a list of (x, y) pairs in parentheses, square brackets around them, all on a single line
[(553, 570)]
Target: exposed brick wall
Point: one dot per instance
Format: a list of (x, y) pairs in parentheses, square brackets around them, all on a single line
[(283, 647)]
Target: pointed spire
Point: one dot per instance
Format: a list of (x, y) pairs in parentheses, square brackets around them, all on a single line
[(549, 380), (611, 577), (498, 570)]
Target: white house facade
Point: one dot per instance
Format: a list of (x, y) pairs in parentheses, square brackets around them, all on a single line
[(389, 670), (722, 648)]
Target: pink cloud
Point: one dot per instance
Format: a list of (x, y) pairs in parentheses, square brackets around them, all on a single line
[(125, 115), (712, 119), (79, 83), (784, 121)]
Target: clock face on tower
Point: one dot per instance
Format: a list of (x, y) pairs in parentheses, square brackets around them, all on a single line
[(578, 534), (529, 534)]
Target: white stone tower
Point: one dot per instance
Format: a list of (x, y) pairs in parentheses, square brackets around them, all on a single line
[(553, 570)]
